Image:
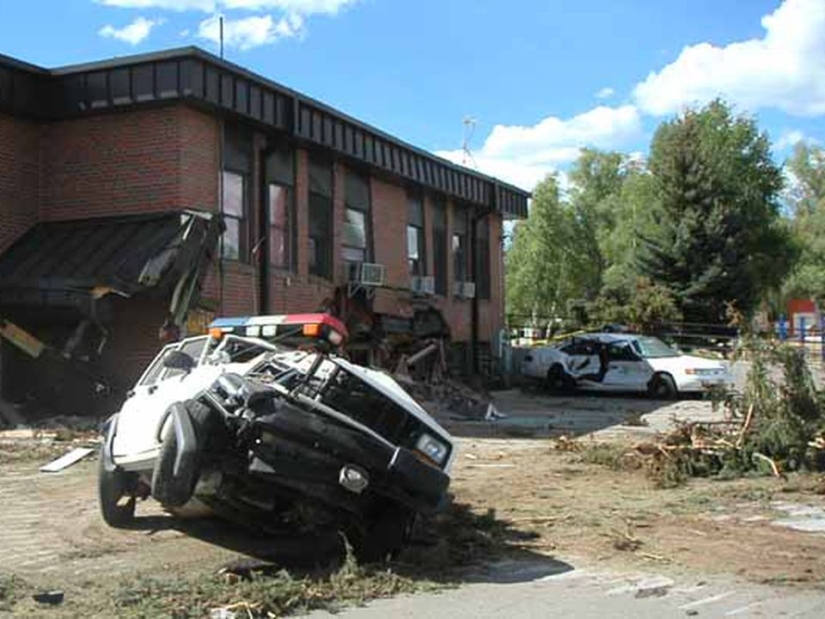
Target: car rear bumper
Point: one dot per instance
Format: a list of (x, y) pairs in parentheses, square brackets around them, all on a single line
[(705, 383)]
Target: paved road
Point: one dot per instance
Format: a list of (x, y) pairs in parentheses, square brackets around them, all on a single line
[(556, 589)]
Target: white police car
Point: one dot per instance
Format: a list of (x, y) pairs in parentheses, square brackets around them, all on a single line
[(623, 363), (259, 417)]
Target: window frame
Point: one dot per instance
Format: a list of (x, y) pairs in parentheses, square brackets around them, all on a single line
[(286, 228), (459, 251), (416, 222), (242, 221), (324, 241), (364, 210), (441, 248)]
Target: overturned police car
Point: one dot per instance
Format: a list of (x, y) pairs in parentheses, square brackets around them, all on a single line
[(260, 421)]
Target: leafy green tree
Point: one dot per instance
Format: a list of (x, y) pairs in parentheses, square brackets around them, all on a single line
[(597, 179), (645, 307), (545, 265), (807, 199), (717, 236)]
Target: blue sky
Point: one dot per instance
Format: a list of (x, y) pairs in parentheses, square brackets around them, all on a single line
[(542, 78)]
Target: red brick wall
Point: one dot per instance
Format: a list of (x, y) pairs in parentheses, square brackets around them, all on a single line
[(19, 161), (111, 164), (135, 339), (198, 137)]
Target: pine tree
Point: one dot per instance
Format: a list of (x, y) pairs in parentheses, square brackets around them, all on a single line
[(717, 236)]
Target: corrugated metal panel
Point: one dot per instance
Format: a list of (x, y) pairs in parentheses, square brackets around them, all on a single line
[(108, 251), (193, 75)]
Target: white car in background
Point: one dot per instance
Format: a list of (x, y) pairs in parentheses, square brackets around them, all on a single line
[(624, 362)]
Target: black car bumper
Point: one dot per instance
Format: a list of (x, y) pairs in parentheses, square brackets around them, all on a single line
[(308, 453)]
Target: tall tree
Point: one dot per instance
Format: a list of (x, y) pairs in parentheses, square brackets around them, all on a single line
[(545, 265), (717, 237), (597, 178), (806, 196)]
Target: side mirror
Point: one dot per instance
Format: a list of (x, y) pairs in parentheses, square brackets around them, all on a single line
[(178, 360)]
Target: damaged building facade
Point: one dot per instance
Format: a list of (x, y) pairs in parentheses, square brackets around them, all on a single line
[(142, 196)]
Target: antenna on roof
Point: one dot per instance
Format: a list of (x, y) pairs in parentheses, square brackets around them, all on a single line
[(220, 33), (469, 129)]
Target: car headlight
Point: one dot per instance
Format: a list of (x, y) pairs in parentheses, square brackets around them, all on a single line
[(433, 448)]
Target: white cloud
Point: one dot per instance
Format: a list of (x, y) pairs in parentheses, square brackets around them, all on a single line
[(134, 33), (784, 69), (299, 7), (252, 31), (291, 7), (208, 6), (605, 93), (524, 155), (788, 139)]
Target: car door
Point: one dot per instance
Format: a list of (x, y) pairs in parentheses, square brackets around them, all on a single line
[(581, 358), (625, 369), (142, 412)]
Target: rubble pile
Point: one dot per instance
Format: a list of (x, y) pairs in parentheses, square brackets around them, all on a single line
[(423, 371)]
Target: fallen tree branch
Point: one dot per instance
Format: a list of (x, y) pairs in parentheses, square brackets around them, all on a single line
[(745, 427), (770, 461)]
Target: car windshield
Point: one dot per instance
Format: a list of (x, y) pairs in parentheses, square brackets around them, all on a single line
[(654, 348)]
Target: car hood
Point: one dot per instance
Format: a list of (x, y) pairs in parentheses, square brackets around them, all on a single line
[(681, 363)]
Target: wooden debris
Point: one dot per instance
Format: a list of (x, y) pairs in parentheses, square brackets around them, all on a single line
[(745, 427), (765, 458)]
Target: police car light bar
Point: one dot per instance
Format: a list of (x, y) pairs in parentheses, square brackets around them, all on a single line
[(315, 326)]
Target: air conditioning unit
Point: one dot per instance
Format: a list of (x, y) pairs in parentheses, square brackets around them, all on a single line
[(367, 273), (464, 290), (422, 285)]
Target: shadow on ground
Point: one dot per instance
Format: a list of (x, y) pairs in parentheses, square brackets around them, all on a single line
[(454, 547)]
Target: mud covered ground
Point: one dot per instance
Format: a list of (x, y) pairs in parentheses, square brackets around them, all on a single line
[(553, 502)]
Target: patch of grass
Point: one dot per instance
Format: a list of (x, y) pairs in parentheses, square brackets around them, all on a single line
[(454, 539), (611, 455), (260, 594), (10, 591)]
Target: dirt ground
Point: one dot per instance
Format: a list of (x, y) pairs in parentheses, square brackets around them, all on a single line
[(576, 510)]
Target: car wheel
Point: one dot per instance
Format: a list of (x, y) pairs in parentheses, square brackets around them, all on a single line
[(557, 379), (116, 494), (169, 488), (663, 387), (384, 538)]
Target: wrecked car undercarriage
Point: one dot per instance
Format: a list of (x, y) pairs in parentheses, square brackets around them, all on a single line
[(263, 434)]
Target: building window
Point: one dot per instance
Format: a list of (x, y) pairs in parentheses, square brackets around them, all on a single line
[(234, 213), (459, 246), (235, 174), (440, 247), (280, 208), (415, 235), (482, 275), (357, 215), (280, 225), (320, 218)]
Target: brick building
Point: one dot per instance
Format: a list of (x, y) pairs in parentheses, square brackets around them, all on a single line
[(115, 177)]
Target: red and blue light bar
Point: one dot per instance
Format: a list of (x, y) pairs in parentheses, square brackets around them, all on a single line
[(321, 327)]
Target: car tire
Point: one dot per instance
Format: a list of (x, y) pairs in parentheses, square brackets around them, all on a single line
[(175, 490), (663, 387), (113, 485), (384, 538), (557, 380)]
